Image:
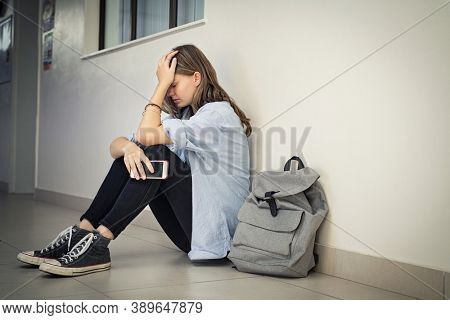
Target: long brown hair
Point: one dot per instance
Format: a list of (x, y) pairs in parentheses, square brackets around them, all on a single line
[(189, 60)]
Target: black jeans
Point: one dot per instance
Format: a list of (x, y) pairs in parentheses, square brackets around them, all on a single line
[(120, 198)]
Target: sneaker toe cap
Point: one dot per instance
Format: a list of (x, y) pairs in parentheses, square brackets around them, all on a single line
[(29, 257), (27, 253), (48, 260), (53, 262)]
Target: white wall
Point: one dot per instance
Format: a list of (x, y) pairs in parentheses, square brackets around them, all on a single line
[(379, 132)]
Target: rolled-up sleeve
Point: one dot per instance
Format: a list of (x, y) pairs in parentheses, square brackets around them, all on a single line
[(197, 134), (176, 130), (132, 138)]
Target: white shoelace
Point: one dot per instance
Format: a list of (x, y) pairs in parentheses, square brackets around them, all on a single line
[(79, 248), (59, 239)]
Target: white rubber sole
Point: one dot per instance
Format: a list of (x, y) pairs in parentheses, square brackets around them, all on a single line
[(27, 257), (70, 272)]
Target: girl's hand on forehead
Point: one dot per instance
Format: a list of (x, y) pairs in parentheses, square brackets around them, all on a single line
[(166, 71)]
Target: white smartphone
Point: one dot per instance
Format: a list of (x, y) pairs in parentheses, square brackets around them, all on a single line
[(160, 167)]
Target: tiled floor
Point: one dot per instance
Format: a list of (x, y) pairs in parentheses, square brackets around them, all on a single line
[(145, 265)]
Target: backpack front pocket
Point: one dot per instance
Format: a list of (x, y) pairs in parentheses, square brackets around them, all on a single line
[(260, 230), (278, 243)]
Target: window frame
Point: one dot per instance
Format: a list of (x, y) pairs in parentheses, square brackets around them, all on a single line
[(173, 13)]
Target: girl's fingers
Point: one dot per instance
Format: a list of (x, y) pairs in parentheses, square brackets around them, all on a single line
[(169, 56), (128, 167), (171, 53), (131, 167), (141, 170), (165, 56), (149, 165), (174, 64), (135, 173)]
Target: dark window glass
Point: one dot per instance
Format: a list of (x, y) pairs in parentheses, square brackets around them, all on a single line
[(125, 20)]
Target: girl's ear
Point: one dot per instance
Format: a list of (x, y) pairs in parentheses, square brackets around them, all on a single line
[(197, 78)]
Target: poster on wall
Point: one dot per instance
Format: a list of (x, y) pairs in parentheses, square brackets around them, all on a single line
[(47, 47), (48, 15), (5, 49)]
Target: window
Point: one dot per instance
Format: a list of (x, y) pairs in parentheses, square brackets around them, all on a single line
[(125, 20)]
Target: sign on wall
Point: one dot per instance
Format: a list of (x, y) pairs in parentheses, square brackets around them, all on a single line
[(48, 23), (5, 49), (47, 47), (48, 15)]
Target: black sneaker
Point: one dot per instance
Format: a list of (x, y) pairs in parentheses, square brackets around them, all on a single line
[(90, 254), (62, 244)]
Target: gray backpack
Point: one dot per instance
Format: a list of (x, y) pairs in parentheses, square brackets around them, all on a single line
[(278, 222)]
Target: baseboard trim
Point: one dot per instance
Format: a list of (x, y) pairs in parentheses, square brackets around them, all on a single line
[(408, 279)]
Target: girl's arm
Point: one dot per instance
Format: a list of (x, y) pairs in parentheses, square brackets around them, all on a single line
[(116, 148), (152, 117), (150, 130)]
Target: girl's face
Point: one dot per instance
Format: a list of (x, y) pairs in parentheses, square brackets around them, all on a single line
[(183, 88)]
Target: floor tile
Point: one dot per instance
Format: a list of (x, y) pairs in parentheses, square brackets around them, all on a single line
[(156, 268), (125, 247), (256, 288), (15, 276), (419, 282), (152, 236), (8, 254), (341, 288), (85, 296), (17, 273), (47, 285), (6, 289)]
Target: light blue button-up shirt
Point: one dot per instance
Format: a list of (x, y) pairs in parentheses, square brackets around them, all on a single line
[(213, 143)]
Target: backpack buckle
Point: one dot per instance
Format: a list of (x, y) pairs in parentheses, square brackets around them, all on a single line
[(268, 195), (271, 201)]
